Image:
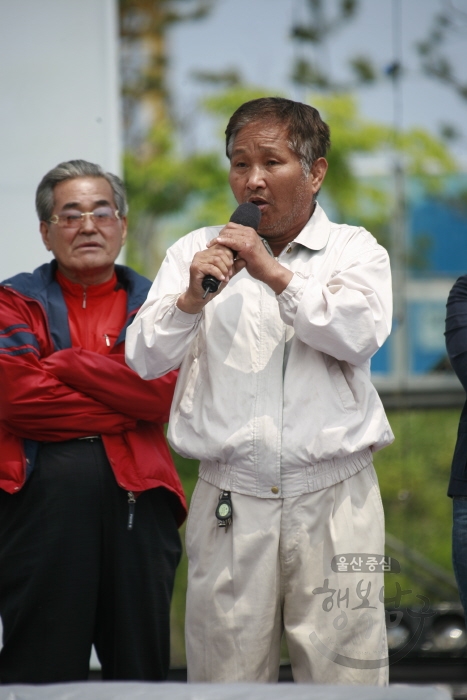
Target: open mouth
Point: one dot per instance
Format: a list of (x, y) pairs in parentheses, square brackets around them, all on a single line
[(260, 202)]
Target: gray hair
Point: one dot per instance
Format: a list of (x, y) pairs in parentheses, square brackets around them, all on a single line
[(308, 134), (70, 170)]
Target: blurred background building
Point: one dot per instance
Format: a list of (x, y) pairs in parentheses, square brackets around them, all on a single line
[(60, 99)]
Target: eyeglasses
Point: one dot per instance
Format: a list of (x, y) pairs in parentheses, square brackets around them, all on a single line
[(73, 220)]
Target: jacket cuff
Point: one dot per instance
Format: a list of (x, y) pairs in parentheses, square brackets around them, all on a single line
[(290, 298), (183, 318)]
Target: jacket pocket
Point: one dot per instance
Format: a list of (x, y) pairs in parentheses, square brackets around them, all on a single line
[(340, 382), (193, 384)]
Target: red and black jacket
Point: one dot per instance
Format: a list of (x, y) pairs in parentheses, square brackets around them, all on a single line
[(54, 392)]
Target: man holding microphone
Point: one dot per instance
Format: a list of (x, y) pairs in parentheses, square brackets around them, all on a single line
[(275, 399)]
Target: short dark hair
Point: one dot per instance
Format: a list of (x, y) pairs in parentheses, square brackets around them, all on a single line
[(309, 135), (69, 170)]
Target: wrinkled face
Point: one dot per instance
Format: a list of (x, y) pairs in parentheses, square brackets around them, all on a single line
[(85, 254), (265, 171)]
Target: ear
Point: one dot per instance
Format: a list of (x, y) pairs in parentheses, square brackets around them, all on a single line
[(44, 229), (124, 221), (318, 172)]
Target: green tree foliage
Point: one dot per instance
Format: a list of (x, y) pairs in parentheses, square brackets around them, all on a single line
[(144, 60), (162, 184), (445, 26), (159, 181), (413, 474), (171, 194), (353, 198), (324, 20)]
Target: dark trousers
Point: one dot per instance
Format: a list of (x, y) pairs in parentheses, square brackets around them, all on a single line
[(73, 575), (459, 546)]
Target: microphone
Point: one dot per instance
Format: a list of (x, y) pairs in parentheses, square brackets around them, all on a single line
[(247, 214)]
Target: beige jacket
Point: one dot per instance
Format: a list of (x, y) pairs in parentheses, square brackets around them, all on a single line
[(274, 394)]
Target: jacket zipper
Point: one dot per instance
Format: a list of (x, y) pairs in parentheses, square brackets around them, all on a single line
[(131, 509)]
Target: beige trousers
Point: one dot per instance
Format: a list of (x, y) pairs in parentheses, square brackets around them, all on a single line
[(272, 572)]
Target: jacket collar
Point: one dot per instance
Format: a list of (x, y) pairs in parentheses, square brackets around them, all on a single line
[(315, 233), (42, 286)]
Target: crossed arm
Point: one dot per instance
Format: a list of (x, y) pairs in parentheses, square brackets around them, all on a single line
[(71, 393)]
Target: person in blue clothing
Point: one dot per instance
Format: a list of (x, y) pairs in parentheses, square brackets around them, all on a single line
[(456, 344)]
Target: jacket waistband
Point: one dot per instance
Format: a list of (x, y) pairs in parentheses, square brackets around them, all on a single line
[(294, 481)]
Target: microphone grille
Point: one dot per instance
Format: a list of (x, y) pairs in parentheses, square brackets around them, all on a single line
[(247, 214)]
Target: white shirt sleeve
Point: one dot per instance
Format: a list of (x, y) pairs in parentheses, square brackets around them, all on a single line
[(160, 335), (348, 318)]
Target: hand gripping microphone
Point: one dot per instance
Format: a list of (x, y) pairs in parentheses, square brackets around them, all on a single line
[(247, 214)]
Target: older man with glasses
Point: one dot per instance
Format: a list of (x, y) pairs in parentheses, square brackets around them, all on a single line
[(90, 501)]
